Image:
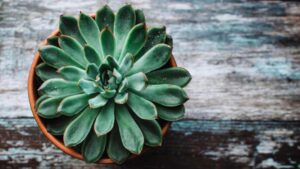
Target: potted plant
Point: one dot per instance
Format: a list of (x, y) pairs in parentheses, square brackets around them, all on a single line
[(102, 87)]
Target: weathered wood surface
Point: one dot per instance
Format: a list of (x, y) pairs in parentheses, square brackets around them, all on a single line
[(243, 55), (189, 144)]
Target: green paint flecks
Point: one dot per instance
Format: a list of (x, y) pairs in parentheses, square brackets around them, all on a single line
[(278, 68)]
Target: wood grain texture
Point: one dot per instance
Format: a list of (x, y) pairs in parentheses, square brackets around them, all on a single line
[(189, 144), (243, 55)]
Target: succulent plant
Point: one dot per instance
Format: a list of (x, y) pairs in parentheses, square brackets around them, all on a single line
[(105, 83)]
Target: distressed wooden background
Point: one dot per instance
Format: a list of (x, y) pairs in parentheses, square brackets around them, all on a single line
[(244, 57)]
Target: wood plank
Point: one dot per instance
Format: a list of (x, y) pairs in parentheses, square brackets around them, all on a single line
[(243, 55), (189, 144)]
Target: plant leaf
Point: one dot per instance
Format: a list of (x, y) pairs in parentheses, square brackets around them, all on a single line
[(174, 75), (105, 119), (72, 73), (92, 70), (169, 41), (118, 76), (88, 87), (123, 86), (121, 98), (131, 135), (47, 108), (151, 131), (143, 108), (58, 125), (135, 40), (68, 25), (112, 62), (140, 17), (73, 48), (97, 101), (72, 105), (170, 113), (107, 42), (91, 55), (58, 87), (80, 127), (137, 81), (53, 41), (93, 147), (39, 100), (51, 55), (115, 150), (155, 58), (105, 17), (154, 36), (108, 93), (89, 31), (124, 21), (126, 64), (164, 94), (46, 72)]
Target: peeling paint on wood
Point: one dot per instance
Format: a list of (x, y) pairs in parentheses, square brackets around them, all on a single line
[(243, 55), (189, 144)]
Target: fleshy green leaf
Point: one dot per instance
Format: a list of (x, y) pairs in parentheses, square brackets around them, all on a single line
[(97, 101), (88, 87), (89, 31), (53, 41), (80, 127), (105, 17), (126, 63), (143, 108), (105, 119), (108, 93), (91, 55), (124, 21), (169, 41), (154, 36), (174, 75), (164, 94), (73, 48), (118, 76), (58, 125), (59, 87), (56, 57), (131, 135), (107, 42), (151, 131), (115, 150), (140, 17), (123, 86), (170, 113), (72, 105), (39, 100), (155, 58), (46, 72), (48, 107), (137, 81), (68, 26), (93, 147), (112, 62), (121, 98), (72, 73), (92, 70), (135, 40)]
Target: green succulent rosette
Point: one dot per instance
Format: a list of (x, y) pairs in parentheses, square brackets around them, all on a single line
[(105, 85)]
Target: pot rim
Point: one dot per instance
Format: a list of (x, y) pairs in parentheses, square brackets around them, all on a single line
[(32, 95)]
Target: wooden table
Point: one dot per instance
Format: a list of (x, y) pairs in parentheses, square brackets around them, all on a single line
[(244, 57)]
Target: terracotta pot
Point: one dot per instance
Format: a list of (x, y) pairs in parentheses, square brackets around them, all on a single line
[(32, 94)]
